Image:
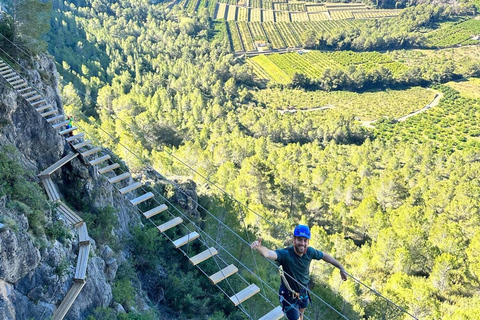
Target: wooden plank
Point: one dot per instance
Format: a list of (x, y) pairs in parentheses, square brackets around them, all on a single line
[(67, 130), (119, 177), (91, 151), (210, 252), (60, 124), (142, 198), (29, 93), (45, 107), (244, 294), (68, 300), (70, 156), (83, 234), (51, 192), (33, 104), (82, 262), (59, 117), (53, 189), (18, 82), (69, 215), (99, 160), (150, 213), (48, 113), (12, 76), (130, 188), (18, 86), (170, 224), (82, 144), (26, 89), (35, 97), (185, 239), (223, 274), (109, 168), (77, 136), (275, 314)]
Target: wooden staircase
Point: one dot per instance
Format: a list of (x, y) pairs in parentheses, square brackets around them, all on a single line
[(49, 113), (85, 149)]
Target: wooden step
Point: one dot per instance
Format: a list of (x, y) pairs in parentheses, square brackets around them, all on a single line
[(28, 94), (210, 252), (91, 151), (26, 89), (185, 239), (275, 314), (60, 124), (48, 113), (45, 107), (94, 162), (70, 216), (77, 136), (11, 77), (18, 86), (223, 274), (67, 130), (82, 144), (109, 168), (83, 234), (244, 294), (51, 189), (58, 164), (119, 177), (142, 198), (38, 103), (59, 117), (18, 82), (68, 300), (5, 71), (152, 212), (170, 224), (82, 261), (130, 188), (35, 97)]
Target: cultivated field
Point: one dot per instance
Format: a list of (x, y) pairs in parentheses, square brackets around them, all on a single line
[(314, 63), (366, 106)]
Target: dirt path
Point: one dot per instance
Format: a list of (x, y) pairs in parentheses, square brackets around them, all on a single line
[(328, 106), (433, 103)]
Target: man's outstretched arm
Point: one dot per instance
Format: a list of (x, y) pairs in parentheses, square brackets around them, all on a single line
[(328, 258), (264, 251)]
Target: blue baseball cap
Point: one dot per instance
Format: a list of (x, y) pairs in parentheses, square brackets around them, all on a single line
[(301, 231)]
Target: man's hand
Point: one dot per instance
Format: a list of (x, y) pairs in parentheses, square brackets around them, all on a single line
[(343, 274), (256, 244)]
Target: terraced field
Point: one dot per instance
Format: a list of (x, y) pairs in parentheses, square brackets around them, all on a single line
[(291, 18), (313, 63), (464, 33)]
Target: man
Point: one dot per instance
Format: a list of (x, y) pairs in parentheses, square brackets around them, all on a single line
[(295, 261)]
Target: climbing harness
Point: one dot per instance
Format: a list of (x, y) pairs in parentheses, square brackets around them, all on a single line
[(295, 294)]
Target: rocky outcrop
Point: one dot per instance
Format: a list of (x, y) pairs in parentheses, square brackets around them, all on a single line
[(36, 273)]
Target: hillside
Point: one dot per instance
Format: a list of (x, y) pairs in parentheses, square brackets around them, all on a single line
[(160, 87)]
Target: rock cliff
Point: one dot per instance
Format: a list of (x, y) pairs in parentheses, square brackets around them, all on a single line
[(36, 270)]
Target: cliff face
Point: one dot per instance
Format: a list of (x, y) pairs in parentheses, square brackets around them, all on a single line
[(36, 272)]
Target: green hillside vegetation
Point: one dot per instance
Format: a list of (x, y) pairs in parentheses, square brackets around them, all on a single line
[(397, 205), (317, 66), (463, 33), (469, 89), (366, 106)]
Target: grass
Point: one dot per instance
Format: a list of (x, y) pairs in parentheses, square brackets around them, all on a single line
[(469, 89), (366, 106)]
